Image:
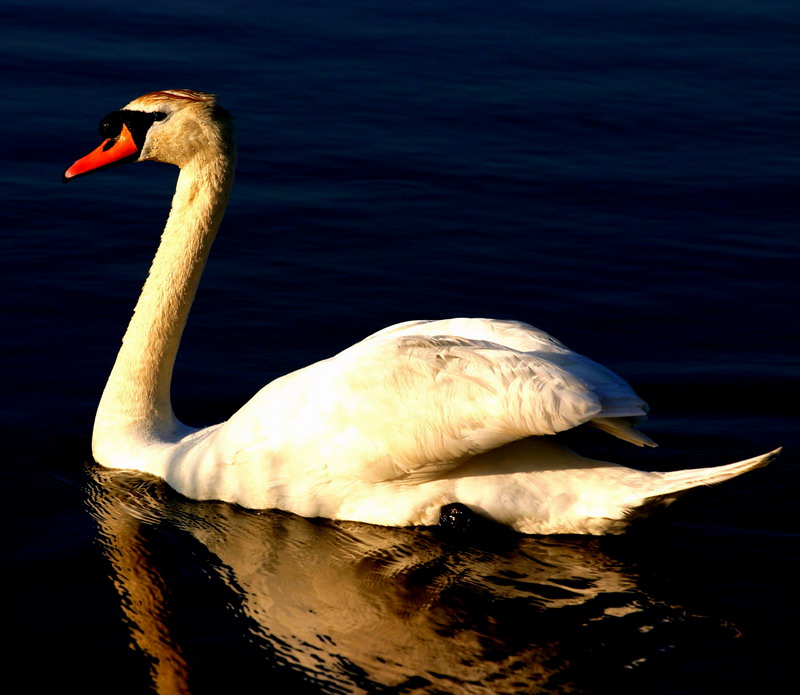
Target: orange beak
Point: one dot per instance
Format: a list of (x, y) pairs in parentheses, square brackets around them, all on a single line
[(111, 152)]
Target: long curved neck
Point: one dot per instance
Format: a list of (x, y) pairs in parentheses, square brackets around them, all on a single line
[(137, 394)]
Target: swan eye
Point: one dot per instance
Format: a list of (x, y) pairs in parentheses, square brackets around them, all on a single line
[(138, 122)]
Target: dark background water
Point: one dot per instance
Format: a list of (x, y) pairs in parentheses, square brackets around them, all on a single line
[(622, 175)]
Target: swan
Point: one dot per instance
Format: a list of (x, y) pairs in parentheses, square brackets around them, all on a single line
[(420, 420)]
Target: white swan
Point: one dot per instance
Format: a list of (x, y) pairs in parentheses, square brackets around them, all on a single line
[(413, 418)]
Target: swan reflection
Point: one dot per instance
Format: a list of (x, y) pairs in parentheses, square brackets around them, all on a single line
[(359, 608)]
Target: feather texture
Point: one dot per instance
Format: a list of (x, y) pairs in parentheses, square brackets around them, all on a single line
[(417, 416)]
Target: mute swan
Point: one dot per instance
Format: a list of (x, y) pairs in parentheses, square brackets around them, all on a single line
[(420, 416)]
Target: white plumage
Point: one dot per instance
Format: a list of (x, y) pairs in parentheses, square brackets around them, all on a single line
[(417, 416)]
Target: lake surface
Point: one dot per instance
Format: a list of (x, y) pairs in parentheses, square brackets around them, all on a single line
[(622, 175)]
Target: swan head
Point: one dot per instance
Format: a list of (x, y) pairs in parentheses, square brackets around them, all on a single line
[(175, 126)]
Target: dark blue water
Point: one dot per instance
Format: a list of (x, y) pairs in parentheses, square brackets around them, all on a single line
[(622, 175)]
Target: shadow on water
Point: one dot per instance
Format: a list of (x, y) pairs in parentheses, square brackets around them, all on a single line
[(331, 607)]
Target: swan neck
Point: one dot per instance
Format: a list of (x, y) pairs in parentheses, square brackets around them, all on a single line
[(137, 394)]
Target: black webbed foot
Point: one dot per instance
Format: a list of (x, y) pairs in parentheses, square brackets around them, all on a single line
[(459, 517), (459, 525)]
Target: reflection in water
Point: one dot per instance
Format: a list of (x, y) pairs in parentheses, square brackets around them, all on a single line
[(350, 607), (139, 583)]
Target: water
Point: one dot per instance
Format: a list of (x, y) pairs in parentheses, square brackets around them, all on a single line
[(622, 175)]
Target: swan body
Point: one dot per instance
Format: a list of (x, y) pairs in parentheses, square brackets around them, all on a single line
[(420, 415)]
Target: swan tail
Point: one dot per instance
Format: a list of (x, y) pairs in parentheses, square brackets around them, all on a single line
[(673, 484), (622, 428)]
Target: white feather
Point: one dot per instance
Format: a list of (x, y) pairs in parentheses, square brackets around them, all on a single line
[(419, 415)]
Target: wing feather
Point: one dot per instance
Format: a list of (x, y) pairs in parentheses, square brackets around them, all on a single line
[(434, 401), (416, 399)]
